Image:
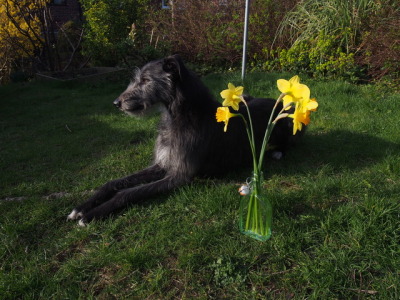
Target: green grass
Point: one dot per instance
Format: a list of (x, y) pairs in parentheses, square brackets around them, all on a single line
[(335, 198)]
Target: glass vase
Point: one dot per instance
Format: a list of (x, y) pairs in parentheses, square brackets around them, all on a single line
[(255, 210)]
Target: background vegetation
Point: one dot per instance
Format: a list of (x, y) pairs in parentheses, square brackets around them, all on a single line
[(114, 29), (356, 40), (20, 33), (30, 40), (335, 197)]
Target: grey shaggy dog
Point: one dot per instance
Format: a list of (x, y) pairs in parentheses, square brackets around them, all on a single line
[(190, 142)]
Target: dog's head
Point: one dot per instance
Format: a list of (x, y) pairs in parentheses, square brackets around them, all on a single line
[(153, 84)]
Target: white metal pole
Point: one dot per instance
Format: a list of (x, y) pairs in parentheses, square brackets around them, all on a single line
[(246, 27)]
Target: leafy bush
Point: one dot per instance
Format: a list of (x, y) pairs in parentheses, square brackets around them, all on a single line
[(206, 32), (349, 39), (380, 46), (108, 27), (210, 33), (320, 57), (336, 39), (20, 36)]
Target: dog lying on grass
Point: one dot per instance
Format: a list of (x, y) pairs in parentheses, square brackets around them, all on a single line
[(190, 142)]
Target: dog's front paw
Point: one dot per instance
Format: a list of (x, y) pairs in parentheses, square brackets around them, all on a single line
[(82, 223), (74, 215), (77, 215)]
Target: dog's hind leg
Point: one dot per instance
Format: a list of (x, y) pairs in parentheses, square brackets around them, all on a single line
[(132, 195), (108, 190)]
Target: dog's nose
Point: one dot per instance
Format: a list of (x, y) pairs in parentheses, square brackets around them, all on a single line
[(117, 103)]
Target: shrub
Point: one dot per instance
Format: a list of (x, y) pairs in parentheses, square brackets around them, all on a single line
[(205, 31), (320, 57), (211, 32), (20, 34), (108, 24), (380, 46), (324, 38)]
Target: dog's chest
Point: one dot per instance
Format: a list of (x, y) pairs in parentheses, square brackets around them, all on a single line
[(174, 151), (163, 154)]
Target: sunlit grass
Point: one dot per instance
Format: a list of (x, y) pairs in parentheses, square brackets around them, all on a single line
[(335, 198)]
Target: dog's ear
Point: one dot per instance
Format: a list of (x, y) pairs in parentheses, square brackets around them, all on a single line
[(172, 65)]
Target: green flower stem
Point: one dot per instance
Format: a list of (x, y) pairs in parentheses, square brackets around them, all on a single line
[(251, 212), (254, 216), (254, 213), (250, 135), (268, 132)]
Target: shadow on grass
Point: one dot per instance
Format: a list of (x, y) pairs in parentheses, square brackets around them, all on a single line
[(57, 139), (340, 149), (333, 164)]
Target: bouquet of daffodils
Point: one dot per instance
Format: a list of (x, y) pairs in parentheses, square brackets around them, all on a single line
[(256, 214)]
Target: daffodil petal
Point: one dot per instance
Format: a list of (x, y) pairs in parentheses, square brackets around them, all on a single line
[(283, 85), (294, 80), (235, 105), (312, 105), (227, 102), (301, 91), (287, 100), (239, 90), (226, 125), (225, 93)]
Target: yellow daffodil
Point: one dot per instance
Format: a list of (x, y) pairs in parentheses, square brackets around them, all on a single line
[(294, 90), (223, 115), (232, 96), (301, 114)]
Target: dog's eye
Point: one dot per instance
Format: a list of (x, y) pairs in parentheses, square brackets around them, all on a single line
[(144, 80)]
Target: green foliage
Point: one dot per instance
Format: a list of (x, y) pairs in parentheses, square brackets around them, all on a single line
[(20, 34), (108, 27), (380, 47), (345, 19), (320, 57), (204, 32), (227, 272), (354, 40)]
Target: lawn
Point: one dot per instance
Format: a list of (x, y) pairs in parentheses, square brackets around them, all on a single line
[(336, 199)]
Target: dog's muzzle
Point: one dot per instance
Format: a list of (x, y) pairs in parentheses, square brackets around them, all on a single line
[(117, 103)]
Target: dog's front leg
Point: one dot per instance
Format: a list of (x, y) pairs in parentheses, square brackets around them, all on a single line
[(132, 195), (108, 190)]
